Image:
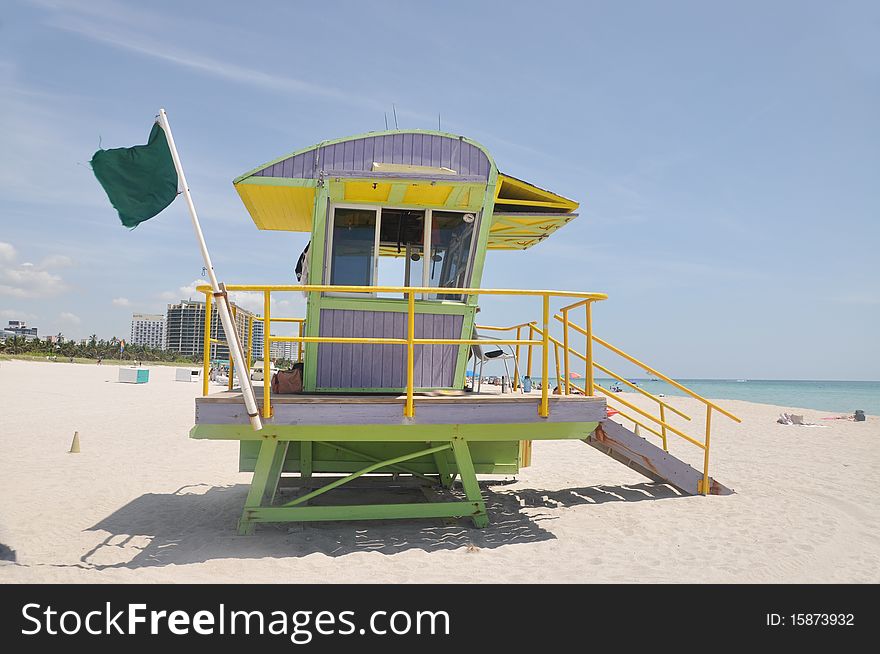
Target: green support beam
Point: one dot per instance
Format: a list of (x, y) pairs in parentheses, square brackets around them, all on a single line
[(364, 512), (469, 480), (259, 483), (443, 468)]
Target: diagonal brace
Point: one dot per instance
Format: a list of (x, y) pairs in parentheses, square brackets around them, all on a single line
[(367, 470), (373, 458)]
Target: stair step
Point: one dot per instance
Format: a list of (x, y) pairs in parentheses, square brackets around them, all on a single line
[(653, 462)]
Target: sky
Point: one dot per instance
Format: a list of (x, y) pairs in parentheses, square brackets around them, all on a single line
[(726, 157)]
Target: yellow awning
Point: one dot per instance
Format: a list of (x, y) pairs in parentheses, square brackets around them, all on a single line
[(280, 207), (526, 214)]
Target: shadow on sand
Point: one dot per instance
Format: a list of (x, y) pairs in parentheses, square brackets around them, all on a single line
[(193, 527)]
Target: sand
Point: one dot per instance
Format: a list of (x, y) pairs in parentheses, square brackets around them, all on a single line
[(143, 503)]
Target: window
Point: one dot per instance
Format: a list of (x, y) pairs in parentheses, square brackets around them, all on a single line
[(451, 237), (354, 240), (386, 247), (401, 249)]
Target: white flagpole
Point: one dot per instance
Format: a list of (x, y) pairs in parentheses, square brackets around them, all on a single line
[(232, 340)]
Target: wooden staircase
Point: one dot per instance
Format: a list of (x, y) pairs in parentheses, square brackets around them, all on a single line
[(653, 462)]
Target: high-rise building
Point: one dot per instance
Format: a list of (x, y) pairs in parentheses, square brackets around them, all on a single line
[(185, 328), (148, 329), (283, 350), (257, 344), (20, 328)]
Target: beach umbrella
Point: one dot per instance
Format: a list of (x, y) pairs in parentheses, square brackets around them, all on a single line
[(574, 375)]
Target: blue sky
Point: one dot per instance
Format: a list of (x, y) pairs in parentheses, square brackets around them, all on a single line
[(725, 154)]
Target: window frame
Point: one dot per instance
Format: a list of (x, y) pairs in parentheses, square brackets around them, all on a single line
[(428, 226)]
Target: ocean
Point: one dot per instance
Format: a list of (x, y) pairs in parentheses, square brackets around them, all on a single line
[(838, 397)]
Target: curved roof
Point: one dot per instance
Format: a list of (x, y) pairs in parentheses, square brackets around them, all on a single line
[(280, 194)]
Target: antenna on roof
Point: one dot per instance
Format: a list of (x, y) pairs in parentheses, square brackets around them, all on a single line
[(438, 122), (394, 109), (386, 121)]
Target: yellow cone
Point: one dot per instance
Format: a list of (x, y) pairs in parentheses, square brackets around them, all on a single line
[(74, 446)]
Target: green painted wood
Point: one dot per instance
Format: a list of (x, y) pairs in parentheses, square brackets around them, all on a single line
[(370, 468), (443, 468), (275, 472), (485, 225), (259, 483), (469, 480), (396, 305), (316, 273), (305, 459), (398, 433), (363, 512), (278, 181)]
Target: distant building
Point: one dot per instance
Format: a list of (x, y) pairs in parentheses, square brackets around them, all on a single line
[(283, 350), (257, 345), (185, 329), (148, 329), (19, 328)]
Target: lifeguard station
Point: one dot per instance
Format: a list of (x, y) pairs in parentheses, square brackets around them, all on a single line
[(400, 224)]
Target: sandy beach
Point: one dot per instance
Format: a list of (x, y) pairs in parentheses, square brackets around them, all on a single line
[(144, 503)]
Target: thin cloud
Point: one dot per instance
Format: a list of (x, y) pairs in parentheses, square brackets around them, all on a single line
[(70, 318), (124, 31), (7, 252), (121, 302), (27, 280), (859, 299), (15, 314)]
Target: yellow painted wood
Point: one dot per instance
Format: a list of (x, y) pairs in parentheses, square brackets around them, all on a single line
[(287, 208), (425, 194), (366, 191), (516, 191)]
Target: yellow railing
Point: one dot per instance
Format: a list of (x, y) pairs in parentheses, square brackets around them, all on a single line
[(665, 427), (538, 336), (410, 341), (661, 427)]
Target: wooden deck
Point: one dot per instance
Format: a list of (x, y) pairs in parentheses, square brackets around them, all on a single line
[(227, 408)]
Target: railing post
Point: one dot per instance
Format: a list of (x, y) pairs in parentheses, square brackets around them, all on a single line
[(206, 347), (409, 408), (663, 427), (556, 358), (544, 410), (516, 359), (705, 485), (267, 368), (299, 346), (531, 338), (588, 377), (565, 351)]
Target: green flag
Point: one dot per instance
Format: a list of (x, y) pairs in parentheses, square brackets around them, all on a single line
[(140, 181)]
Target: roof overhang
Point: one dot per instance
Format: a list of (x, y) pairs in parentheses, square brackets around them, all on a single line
[(526, 214)]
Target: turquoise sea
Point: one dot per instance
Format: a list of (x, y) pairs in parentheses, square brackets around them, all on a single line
[(836, 397)]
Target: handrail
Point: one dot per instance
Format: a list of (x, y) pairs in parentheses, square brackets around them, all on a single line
[(535, 328), (652, 371), (410, 341), (604, 369), (331, 288), (703, 485)]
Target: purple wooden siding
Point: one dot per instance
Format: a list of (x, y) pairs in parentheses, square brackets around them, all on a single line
[(358, 155), (355, 365)]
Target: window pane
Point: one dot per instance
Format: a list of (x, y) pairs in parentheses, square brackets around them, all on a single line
[(354, 239), (451, 237), (401, 242)]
